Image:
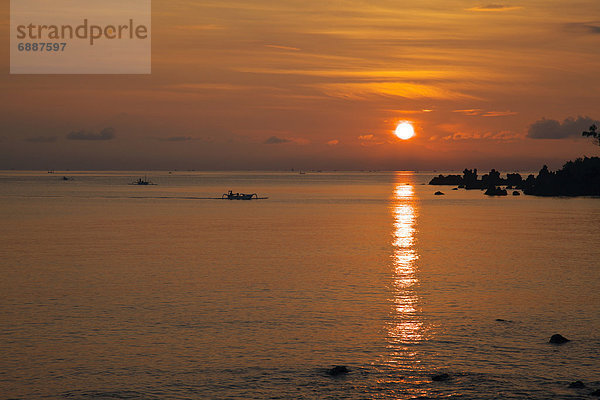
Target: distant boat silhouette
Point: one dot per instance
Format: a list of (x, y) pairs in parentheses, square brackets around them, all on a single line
[(142, 182), (241, 196)]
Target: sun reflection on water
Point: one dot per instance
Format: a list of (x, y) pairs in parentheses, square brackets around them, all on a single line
[(405, 328)]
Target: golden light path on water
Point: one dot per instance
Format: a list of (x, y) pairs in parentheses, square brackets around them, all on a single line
[(406, 327)]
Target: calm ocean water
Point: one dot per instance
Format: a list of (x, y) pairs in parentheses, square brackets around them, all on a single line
[(112, 291)]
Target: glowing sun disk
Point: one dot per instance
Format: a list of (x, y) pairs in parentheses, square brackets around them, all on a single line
[(404, 130)]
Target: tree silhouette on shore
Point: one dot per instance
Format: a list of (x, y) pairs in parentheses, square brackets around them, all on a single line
[(593, 133)]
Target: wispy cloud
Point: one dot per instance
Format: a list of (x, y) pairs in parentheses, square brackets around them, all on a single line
[(365, 90), (498, 113), (470, 111), (176, 139), (499, 136), (369, 140), (104, 134), (493, 8), (360, 74), (206, 27), (209, 86), (41, 139), (276, 140), (333, 142), (279, 47), (476, 112), (423, 111)]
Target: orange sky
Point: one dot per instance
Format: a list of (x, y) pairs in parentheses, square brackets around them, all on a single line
[(266, 84)]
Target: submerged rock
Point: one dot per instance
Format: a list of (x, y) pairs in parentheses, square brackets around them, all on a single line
[(440, 377), (595, 393), (576, 385), (438, 193), (558, 339), (338, 370)]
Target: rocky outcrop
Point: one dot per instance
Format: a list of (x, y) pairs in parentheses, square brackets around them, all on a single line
[(440, 377), (576, 178), (558, 339), (338, 370), (449, 180), (495, 191)]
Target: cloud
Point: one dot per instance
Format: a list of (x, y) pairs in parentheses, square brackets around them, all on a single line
[(176, 139), (370, 140), (481, 113), (366, 90), (470, 112), (498, 113), (584, 27), (41, 139), (275, 46), (207, 27), (333, 142), (498, 136), (493, 8), (276, 140), (553, 129), (104, 134), (214, 87), (424, 110)]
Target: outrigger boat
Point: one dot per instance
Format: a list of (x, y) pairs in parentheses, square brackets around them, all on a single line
[(241, 196)]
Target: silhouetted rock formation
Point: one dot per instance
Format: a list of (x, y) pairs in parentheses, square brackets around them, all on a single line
[(470, 181), (576, 385), (495, 191), (576, 178), (450, 180), (516, 193), (438, 193), (338, 370), (558, 339), (440, 377)]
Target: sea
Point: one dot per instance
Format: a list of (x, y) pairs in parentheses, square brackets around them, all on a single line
[(117, 291)]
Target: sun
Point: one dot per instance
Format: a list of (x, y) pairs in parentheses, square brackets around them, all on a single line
[(404, 130)]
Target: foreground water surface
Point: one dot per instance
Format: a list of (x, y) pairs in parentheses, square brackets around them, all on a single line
[(114, 291)]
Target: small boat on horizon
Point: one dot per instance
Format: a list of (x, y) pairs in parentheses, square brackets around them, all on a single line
[(142, 182)]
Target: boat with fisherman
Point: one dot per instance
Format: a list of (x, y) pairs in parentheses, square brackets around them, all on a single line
[(241, 196)]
